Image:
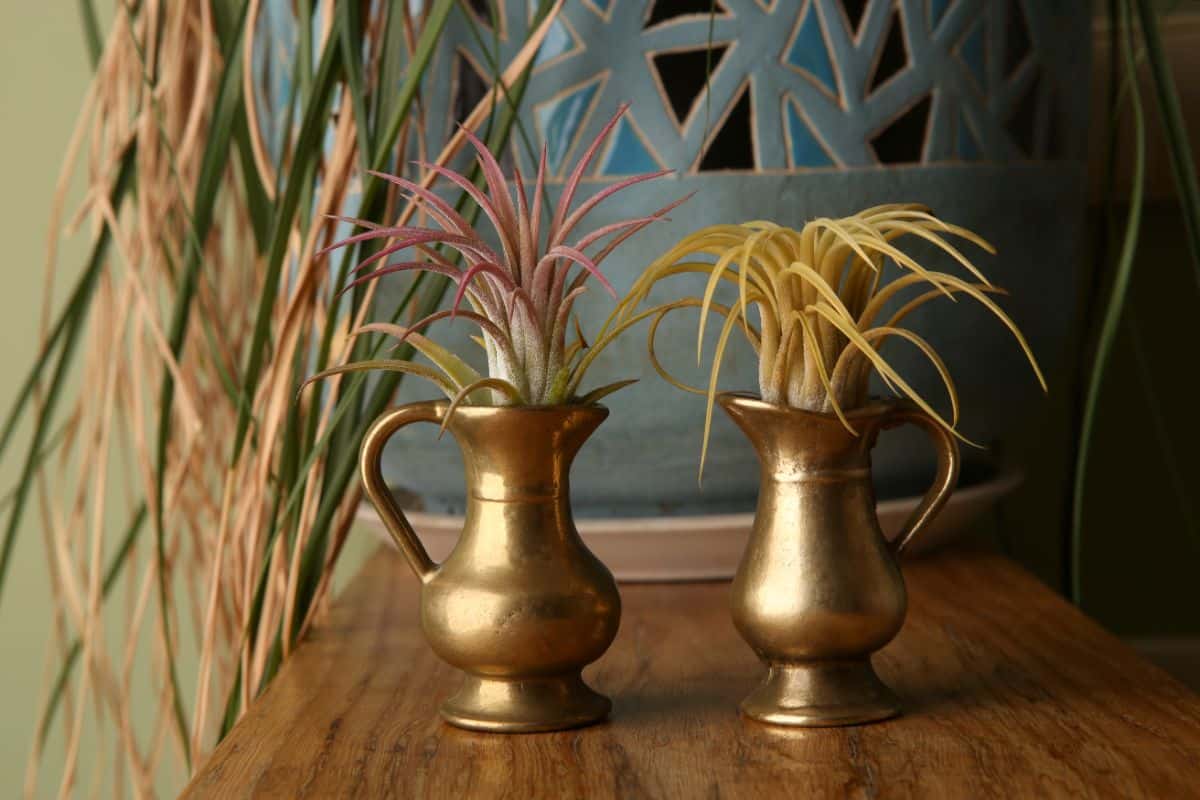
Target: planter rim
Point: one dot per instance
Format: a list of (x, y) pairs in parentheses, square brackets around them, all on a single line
[(562, 409), (875, 408)]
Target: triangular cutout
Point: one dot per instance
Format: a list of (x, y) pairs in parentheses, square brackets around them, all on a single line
[(560, 119), (628, 152), (1017, 45), (808, 51), (682, 75), (903, 141), (487, 12), (732, 148), (893, 56), (967, 145), (1022, 124), (855, 11), (666, 10), (470, 86), (602, 8), (804, 148), (560, 42), (937, 10), (973, 52)]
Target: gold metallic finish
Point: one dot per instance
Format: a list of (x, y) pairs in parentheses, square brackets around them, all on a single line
[(520, 605), (818, 589)]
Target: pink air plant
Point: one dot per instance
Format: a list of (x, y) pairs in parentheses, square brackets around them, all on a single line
[(521, 297)]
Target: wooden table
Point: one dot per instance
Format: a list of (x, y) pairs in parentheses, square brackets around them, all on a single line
[(1010, 692)]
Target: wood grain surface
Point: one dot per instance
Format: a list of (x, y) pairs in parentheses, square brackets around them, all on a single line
[(1009, 691)]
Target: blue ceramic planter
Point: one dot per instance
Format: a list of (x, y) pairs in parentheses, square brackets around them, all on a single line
[(815, 107)]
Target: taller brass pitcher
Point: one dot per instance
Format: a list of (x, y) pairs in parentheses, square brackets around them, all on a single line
[(520, 605), (818, 589)]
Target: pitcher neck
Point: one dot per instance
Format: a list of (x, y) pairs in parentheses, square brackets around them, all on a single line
[(794, 444), (522, 454)]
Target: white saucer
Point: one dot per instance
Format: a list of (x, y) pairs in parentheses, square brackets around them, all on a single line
[(648, 549)]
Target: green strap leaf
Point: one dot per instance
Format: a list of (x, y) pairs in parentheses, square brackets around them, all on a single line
[(1114, 306), (1183, 166)]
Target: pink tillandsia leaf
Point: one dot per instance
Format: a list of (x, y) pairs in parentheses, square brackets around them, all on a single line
[(497, 187), (495, 384), (522, 298), (433, 255), (655, 217), (613, 227), (485, 205), (374, 232), (572, 184), (406, 266), (443, 212), (567, 255), (471, 248), (362, 223), (479, 319), (482, 268), (599, 197), (535, 212), (564, 314), (526, 244)]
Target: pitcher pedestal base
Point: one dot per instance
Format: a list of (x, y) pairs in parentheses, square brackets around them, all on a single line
[(525, 706), (821, 695)]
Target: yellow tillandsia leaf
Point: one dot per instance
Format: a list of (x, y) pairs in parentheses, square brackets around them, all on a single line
[(707, 242), (660, 313), (841, 232), (813, 279), (904, 260), (980, 295), (601, 392), (651, 338), (924, 233), (886, 369), (810, 342), (818, 292), (448, 387), (455, 368), (731, 319), (598, 347), (495, 384), (912, 305), (709, 290), (945, 227), (881, 333)]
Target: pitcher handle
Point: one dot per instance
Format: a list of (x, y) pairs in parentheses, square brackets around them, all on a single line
[(943, 483), (370, 464)]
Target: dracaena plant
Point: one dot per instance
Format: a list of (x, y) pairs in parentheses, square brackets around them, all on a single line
[(814, 305), (520, 296)]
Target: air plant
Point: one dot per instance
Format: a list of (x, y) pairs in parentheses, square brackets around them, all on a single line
[(820, 299), (520, 296)]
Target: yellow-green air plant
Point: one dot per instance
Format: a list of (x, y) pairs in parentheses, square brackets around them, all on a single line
[(520, 296), (812, 304)]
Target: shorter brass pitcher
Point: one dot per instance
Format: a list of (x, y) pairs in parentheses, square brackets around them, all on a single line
[(520, 605), (818, 589)]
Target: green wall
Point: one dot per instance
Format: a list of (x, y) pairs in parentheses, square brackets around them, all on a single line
[(43, 74)]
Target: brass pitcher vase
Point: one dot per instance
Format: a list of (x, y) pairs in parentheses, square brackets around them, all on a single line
[(520, 605), (818, 589)]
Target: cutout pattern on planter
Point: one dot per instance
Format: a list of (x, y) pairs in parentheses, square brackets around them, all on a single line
[(768, 87)]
